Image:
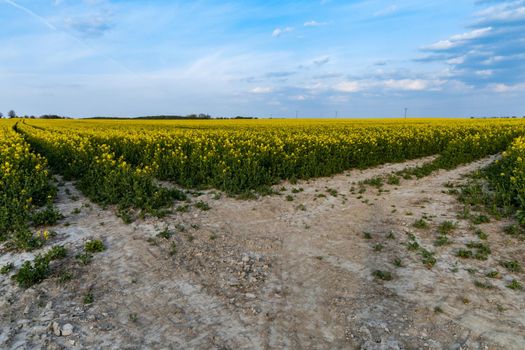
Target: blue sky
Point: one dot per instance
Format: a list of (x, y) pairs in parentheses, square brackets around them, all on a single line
[(368, 58)]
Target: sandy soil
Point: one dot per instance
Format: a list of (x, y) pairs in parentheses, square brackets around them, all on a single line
[(274, 273)]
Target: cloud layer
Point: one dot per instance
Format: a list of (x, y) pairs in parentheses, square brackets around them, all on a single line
[(362, 58)]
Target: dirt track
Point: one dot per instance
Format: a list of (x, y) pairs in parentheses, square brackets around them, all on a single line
[(273, 274)]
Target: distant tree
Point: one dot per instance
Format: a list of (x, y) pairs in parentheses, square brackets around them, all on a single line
[(51, 116), (11, 114), (1, 115)]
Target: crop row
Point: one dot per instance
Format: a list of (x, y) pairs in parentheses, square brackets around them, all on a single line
[(102, 175), (25, 186), (237, 157)]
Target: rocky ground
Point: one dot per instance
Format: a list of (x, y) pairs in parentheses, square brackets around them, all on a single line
[(288, 271)]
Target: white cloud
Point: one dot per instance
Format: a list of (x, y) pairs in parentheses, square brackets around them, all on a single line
[(503, 88), (389, 85), (406, 84), (456, 60), (314, 24), (458, 39), (298, 98), (476, 33), (484, 72), (505, 12), (277, 32), (261, 90), (349, 86)]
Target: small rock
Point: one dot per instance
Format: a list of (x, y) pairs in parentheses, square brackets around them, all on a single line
[(67, 330), (56, 329), (245, 258), (250, 295), (49, 305)]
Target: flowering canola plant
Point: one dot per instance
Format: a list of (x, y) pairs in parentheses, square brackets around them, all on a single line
[(241, 155), (24, 181)]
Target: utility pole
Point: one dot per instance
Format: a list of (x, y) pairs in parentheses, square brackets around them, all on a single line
[(296, 114), (336, 114), (406, 110)]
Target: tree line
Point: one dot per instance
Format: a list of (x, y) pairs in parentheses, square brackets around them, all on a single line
[(12, 114)]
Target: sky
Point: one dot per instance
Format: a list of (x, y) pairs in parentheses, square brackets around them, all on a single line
[(316, 58)]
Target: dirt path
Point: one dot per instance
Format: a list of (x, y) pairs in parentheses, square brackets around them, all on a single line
[(274, 273)]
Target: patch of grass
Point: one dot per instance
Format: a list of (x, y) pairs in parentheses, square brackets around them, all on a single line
[(397, 262), (56, 253), (133, 317), (24, 239), (483, 285), (332, 192), (480, 219), (421, 224), (202, 206), (391, 235), (428, 258), (64, 277), (378, 247), (7, 268), (512, 230), (32, 273), (493, 274), (482, 250), (441, 241), (166, 233), (301, 207), (47, 217), (413, 245), (471, 270), (512, 265), (94, 246), (515, 285), (88, 298), (446, 227), (183, 208), (382, 275), (393, 179), (289, 197), (76, 211), (481, 235), (438, 310), (375, 182), (367, 235), (464, 253), (125, 215), (84, 258)]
